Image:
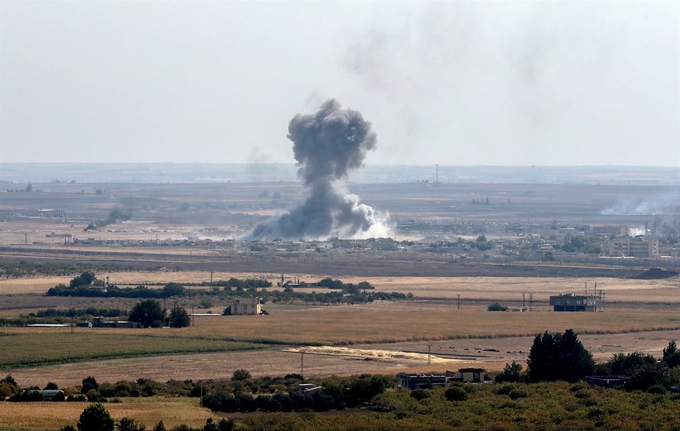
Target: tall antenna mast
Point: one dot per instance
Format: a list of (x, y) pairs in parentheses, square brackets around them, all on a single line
[(436, 176)]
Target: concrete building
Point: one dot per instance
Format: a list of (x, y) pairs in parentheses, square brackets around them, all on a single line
[(246, 306), (572, 302), (467, 375), (634, 247), (420, 381)]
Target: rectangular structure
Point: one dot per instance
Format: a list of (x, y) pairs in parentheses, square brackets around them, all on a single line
[(572, 302), (246, 306)]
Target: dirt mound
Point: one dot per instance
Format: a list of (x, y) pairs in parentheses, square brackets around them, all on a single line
[(655, 274)]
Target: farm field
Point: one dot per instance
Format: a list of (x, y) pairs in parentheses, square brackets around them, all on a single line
[(25, 348), (490, 353), (466, 336), (618, 290), (50, 416)]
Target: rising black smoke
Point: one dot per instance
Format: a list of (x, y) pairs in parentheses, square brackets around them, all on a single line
[(327, 145), (117, 214)]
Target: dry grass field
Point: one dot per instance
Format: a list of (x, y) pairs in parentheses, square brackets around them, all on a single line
[(50, 416)]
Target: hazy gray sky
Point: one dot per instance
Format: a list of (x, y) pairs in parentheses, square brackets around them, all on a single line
[(493, 83)]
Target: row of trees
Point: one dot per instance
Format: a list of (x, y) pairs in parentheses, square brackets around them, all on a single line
[(81, 286), (95, 417)]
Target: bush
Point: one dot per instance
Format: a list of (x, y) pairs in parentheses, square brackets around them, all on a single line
[(496, 306), (656, 389), (127, 424), (517, 394), (95, 418), (456, 393), (240, 375), (226, 424), (77, 398), (89, 383), (419, 394)]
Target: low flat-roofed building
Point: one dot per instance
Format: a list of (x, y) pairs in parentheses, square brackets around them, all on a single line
[(573, 302), (468, 375), (420, 381)]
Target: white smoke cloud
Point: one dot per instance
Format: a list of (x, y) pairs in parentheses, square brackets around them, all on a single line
[(666, 204)]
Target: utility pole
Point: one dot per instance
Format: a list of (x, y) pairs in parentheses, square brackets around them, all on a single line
[(211, 278), (531, 300), (193, 317), (524, 302), (25, 238), (73, 325), (302, 362), (459, 301), (429, 353)]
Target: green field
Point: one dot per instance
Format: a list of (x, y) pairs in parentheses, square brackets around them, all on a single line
[(45, 348)]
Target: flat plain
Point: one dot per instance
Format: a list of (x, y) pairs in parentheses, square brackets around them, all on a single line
[(188, 233)]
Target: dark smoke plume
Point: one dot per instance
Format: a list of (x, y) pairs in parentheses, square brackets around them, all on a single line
[(116, 214), (327, 146)]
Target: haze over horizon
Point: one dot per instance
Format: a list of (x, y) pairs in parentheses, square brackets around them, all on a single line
[(465, 83)]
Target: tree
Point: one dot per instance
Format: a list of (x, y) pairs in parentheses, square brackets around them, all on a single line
[(160, 426), (559, 357), (574, 360), (89, 383), (671, 355), (511, 373), (84, 279), (127, 424), (95, 418), (147, 313), (627, 364), (179, 318), (29, 187)]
